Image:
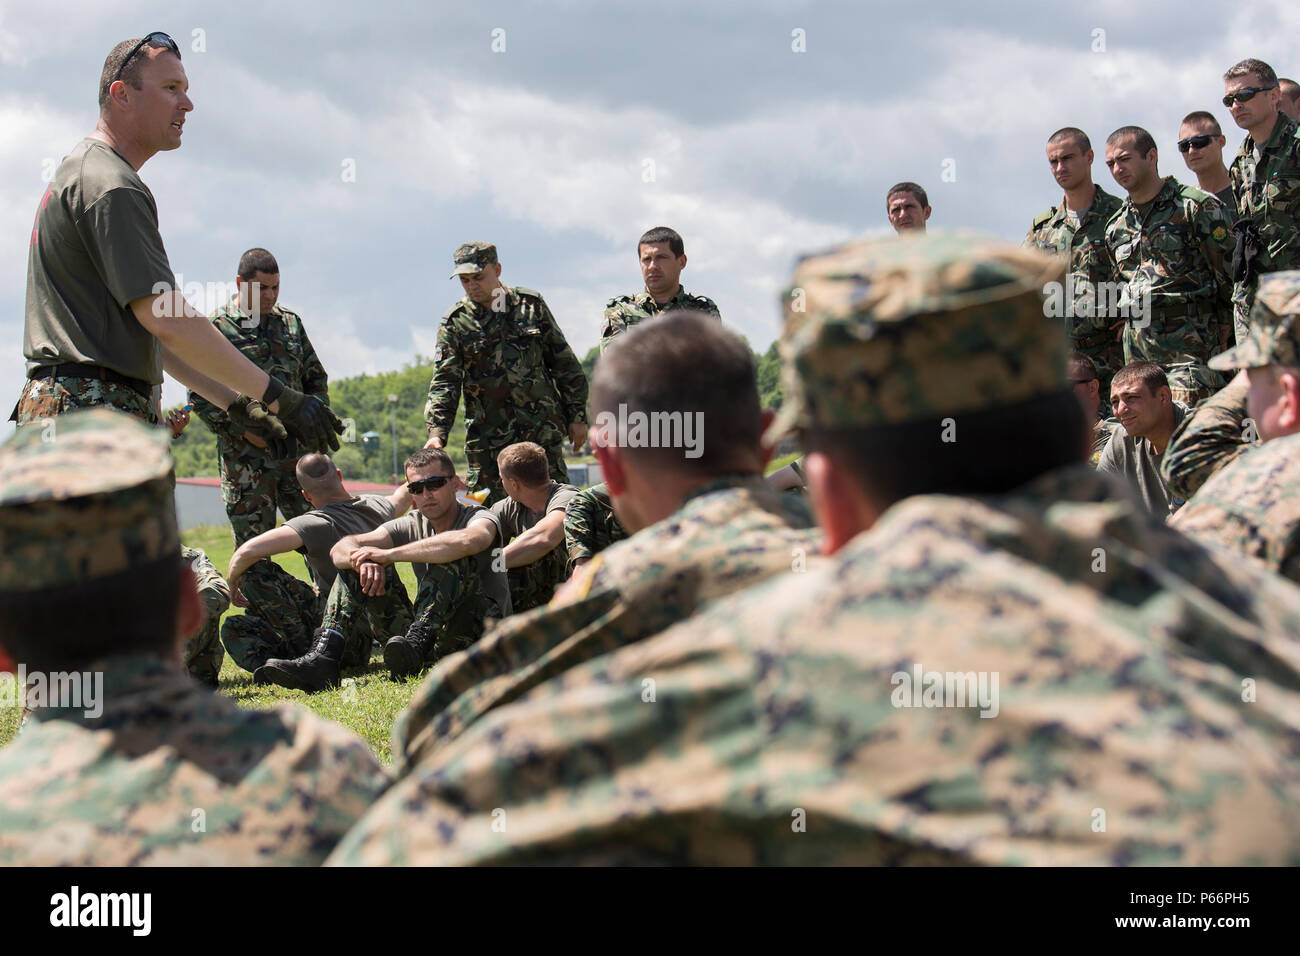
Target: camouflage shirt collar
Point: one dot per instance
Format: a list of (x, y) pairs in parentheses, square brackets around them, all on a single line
[(727, 483), (1168, 194), (480, 311), (1099, 197), (680, 298), (125, 678), (1285, 128), (232, 310)]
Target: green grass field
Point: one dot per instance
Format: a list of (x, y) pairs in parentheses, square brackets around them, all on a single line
[(367, 701)]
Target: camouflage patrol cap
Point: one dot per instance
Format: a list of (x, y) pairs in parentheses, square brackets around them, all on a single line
[(471, 257), (1274, 336), (880, 332), (87, 495)]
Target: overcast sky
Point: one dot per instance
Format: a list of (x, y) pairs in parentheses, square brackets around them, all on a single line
[(361, 142)]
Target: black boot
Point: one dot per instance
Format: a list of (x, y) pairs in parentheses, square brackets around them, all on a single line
[(404, 655), (318, 669)]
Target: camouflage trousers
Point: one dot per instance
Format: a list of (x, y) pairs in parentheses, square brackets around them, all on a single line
[(534, 584), (283, 613), (253, 486), (203, 652), (47, 398), (450, 600), (482, 472), (1191, 383)]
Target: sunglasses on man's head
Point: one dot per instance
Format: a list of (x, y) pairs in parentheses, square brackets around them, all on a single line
[(160, 37), (1243, 96), (429, 484), (1200, 142)]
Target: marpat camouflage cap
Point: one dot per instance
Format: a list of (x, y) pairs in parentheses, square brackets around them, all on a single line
[(85, 496), (471, 257), (883, 331), (1274, 336)]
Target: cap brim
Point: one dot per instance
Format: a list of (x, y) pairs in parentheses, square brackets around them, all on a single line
[(1246, 355), (466, 269)]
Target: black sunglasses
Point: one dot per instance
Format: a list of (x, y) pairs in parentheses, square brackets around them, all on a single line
[(1247, 94), (431, 484), (1200, 142), (159, 36)]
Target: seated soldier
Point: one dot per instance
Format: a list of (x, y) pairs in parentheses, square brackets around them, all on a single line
[(284, 611), (1001, 661), (126, 761), (1087, 389), (532, 521), (1148, 415), (590, 525), (704, 522), (451, 548), (1245, 496)]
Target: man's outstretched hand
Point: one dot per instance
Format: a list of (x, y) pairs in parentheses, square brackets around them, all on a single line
[(310, 420), (252, 417)]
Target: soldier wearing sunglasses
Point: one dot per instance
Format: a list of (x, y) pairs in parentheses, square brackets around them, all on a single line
[(1201, 141), (104, 318), (1265, 177)]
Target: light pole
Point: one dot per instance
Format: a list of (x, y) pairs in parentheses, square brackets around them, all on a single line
[(392, 407)]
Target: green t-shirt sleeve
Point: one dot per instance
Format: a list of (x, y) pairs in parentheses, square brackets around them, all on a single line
[(401, 530), (560, 498), (120, 232)]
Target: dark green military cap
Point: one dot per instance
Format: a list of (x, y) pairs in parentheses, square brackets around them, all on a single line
[(1274, 336), (886, 331), (84, 496), (471, 257)]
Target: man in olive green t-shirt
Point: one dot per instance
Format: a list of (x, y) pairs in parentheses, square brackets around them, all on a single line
[(532, 524), (103, 316)]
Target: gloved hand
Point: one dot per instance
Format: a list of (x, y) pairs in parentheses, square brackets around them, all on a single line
[(306, 416), (250, 416)]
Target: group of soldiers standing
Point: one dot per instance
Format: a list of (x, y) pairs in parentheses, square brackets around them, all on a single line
[(974, 648)]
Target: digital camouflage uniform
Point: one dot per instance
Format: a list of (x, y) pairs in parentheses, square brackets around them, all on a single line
[(726, 535), (1087, 324), (1248, 496), (1267, 189), (158, 771), (520, 379), (203, 653), (253, 483), (1180, 252), (624, 311), (590, 525), (777, 726), (1214, 434)]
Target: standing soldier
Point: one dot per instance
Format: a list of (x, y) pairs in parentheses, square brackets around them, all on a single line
[(1170, 245), (1077, 228), (521, 381), (255, 480), (1201, 141), (1266, 179), (663, 257), (104, 317)]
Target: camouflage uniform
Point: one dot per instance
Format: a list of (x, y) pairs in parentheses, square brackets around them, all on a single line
[(1248, 501), (1206, 440), (780, 726), (521, 381), (624, 311), (253, 483), (1268, 194), (726, 535), (283, 611), (156, 770), (590, 525), (46, 398), (1086, 322), (203, 652), (1180, 253)]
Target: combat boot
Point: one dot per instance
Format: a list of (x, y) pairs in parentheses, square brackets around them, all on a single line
[(404, 654), (318, 669)]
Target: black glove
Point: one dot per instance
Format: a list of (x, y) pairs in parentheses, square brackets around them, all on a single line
[(250, 416), (1248, 247), (306, 416)]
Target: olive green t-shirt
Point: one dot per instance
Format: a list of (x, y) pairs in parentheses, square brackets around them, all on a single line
[(321, 529), (95, 248), (413, 526), (516, 519)]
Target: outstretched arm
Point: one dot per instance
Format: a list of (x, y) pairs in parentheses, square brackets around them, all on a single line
[(276, 541)]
